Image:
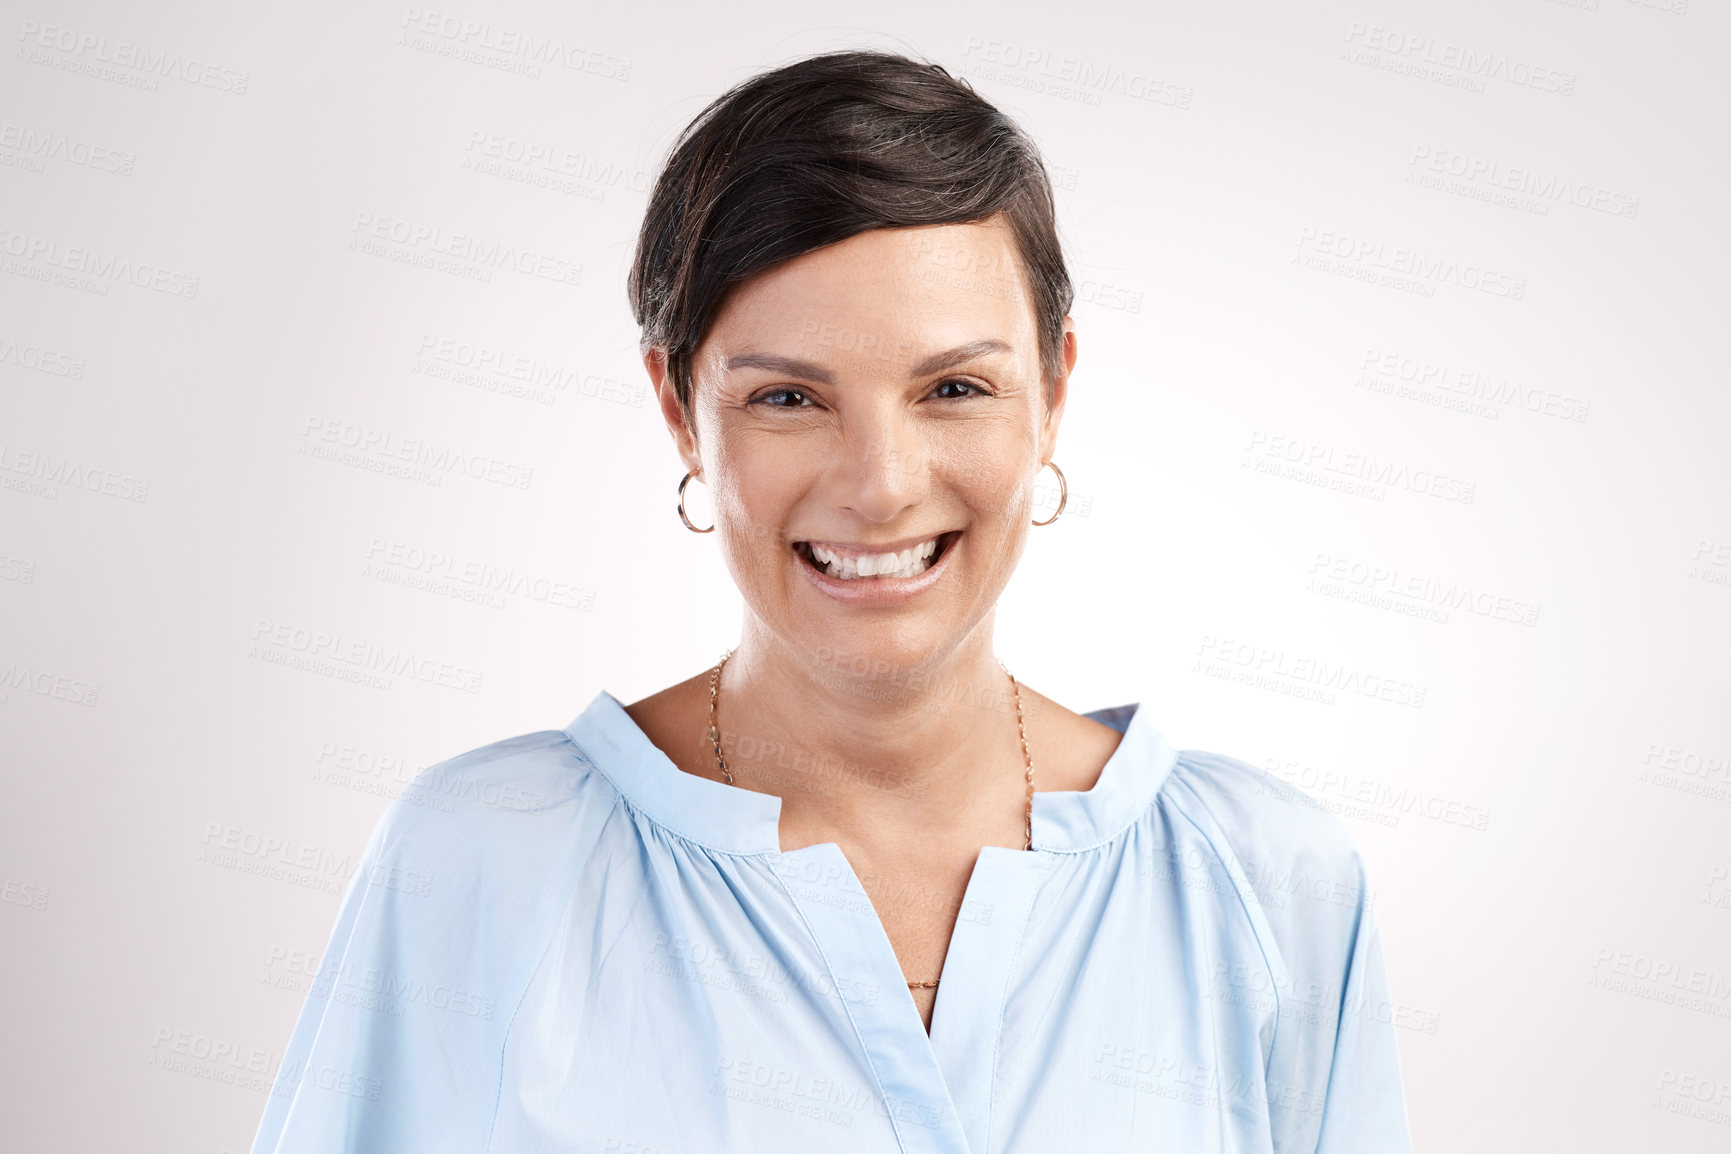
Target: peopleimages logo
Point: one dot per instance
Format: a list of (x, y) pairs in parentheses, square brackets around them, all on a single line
[(1424, 56), (46, 473), (1368, 256), (416, 243), (1417, 594), (1542, 188), (1461, 388), (320, 651), (480, 580), (1367, 799), (555, 161), (41, 146), (87, 52), (1068, 76), (499, 370), (1301, 675), (21, 678), (40, 359), (431, 30), (1659, 979), (327, 438), (41, 254), (1295, 458)]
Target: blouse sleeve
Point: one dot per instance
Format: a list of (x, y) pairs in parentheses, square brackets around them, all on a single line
[(1363, 1105), (1332, 1076), (399, 1045)]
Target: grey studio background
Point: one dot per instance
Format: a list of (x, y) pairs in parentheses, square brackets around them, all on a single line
[(1397, 455)]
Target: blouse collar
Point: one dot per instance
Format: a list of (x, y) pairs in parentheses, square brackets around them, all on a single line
[(744, 821)]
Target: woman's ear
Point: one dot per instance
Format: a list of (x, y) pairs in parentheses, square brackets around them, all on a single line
[(1058, 393), (672, 412)]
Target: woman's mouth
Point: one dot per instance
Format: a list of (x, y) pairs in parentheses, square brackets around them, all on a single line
[(854, 563)]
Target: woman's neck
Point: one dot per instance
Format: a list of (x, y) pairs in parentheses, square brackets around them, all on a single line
[(861, 751)]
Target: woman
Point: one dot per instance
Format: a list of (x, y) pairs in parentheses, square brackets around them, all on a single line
[(856, 887)]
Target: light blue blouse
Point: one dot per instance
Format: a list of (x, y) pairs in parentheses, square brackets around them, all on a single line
[(562, 942)]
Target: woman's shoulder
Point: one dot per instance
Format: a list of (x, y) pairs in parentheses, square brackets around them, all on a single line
[(1245, 798), (507, 796), (1284, 843), (1223, 798), (1287, 866), (452, 904)]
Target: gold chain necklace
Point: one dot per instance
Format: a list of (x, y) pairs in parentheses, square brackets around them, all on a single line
[(1021, 732)]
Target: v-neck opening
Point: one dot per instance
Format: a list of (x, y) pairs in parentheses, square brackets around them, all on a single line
[(942, 1068), (855, 947)]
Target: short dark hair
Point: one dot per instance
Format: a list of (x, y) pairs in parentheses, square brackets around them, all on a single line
[(822, 149)]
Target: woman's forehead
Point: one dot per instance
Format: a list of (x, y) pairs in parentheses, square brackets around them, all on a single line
[(985, 250), (890, 293)]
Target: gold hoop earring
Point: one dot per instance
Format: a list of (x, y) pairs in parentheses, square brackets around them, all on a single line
[(1063, 493), (686, 481)]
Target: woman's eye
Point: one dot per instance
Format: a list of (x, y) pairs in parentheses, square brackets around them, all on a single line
[(958, 384), (769, 399)]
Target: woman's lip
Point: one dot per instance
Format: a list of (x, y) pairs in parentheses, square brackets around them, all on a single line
[(874, 591), (847, 549)]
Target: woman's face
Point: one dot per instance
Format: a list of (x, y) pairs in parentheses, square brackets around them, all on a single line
[(882, 395)]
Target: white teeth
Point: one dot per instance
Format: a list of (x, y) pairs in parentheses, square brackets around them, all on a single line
[(908, 563)]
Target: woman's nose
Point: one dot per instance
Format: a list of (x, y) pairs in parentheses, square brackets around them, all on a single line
[(885, 470)]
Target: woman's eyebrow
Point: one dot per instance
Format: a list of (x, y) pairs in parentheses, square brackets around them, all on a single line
[(806, 370), (787, 366), (960, 355)]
